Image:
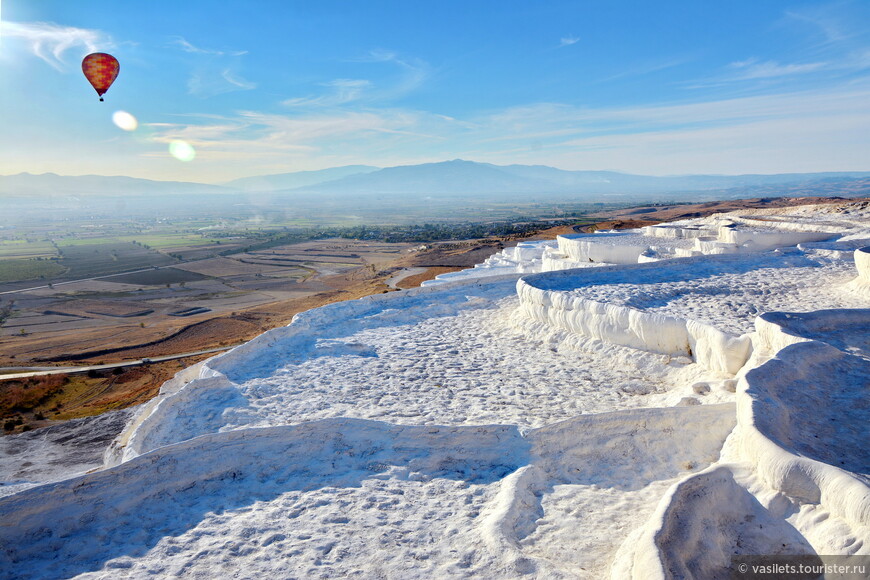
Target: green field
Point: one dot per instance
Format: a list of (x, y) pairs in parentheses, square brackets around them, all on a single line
[(155, 240), (170, 241), (20, 270), (70, 241), (23, 249)]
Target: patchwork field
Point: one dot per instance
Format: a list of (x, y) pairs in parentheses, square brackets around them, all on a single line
[(162, 296)]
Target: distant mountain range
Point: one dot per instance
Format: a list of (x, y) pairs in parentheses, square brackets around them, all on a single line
[(467, 177), (450, 179), (298, 179), (26, 185)]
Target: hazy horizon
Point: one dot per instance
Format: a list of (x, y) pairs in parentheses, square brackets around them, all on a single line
[(443, 161)]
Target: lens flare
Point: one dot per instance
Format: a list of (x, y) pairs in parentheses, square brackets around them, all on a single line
[(125, 120), (182, 150)]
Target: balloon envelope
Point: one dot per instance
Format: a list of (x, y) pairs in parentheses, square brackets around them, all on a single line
[(101, 69)]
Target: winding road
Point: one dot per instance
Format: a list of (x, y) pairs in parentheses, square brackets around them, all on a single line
[(45, 371)]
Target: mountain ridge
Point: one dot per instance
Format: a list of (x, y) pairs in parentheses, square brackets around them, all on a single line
[(295, 179)]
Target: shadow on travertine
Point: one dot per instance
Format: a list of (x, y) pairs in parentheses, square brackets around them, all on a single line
[(796, 470), (75, 526), (711, 518)]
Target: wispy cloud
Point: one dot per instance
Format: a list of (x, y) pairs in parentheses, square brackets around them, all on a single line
[(208, 81), (254, 134), (754, 69), (824, 142), (404, 76), (644, 69), (188, 47), (236, 81), (341, 91), (830, 40), (531, 121), (568, 40), (214, 72), (414, 73), (827, 22), (840, 32), (801, 131), (378, 55), (50, 42)]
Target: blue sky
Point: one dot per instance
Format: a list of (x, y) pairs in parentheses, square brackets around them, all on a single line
[(258, 87)]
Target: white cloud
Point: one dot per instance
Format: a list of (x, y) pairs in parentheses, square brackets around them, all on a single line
[(49, 41), (644, 69), (236, 81), (568, 40), (802, 131), (414, 72), (393, 83), (819, 143), (377, 55), (350, 125), (753, 69), (188, 47), (538, 118), (208, 81), (214, 72), (831, 39), (253, 134), (826, 21), (805, 131), (342, 91)]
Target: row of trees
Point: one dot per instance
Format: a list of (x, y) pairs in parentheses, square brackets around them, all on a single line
[(410, 233)]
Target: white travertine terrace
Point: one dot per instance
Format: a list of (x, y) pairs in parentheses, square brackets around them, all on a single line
[(543, 298), (608, 247), (862, 263), (653, 243)]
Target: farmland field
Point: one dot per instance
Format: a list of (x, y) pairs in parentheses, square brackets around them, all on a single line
[(158, 277), (23, 249), (226, 268), (170, 240), (15, 270), (86, 261)]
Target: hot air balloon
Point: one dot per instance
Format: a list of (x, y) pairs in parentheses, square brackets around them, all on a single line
[(101, 69)]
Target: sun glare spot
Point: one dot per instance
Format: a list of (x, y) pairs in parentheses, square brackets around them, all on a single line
[(125, 120), (182, 150)]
